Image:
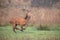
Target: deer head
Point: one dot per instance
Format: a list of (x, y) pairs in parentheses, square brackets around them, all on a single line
[(27, 15)]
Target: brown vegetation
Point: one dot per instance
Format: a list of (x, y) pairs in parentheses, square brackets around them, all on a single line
[(40, 15)]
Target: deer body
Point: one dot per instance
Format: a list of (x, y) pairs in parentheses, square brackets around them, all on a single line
[(18, 21)]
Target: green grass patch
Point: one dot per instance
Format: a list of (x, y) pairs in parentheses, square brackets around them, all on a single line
[(30, 33)]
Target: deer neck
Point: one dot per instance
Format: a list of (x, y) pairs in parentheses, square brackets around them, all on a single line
[(27, 18)]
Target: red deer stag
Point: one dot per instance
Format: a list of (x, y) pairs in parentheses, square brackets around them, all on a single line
[(20, 21)]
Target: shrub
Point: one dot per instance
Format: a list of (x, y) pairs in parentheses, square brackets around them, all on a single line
[(43, 27)]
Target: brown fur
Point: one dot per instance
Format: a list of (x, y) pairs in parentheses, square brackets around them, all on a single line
[(19, 21)]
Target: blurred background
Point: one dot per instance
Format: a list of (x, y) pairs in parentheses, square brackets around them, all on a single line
[(43, 11)]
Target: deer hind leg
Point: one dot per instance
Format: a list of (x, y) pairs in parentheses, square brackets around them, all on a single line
[(14, 27)]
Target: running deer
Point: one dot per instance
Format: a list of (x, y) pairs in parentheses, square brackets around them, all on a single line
[(20, 21)]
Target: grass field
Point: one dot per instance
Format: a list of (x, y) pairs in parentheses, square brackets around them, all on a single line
[(30, 33)]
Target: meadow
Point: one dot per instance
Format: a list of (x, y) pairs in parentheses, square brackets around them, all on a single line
[(30, 33), (41, 12)]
